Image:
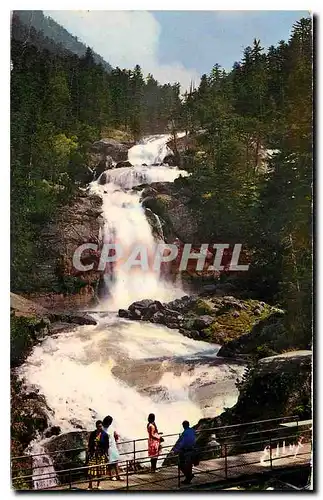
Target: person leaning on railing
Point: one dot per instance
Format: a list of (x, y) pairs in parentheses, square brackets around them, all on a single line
[(185, 447)]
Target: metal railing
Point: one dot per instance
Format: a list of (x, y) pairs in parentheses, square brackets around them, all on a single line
[(233, 445)]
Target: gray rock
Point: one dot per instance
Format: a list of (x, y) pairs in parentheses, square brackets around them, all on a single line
[(102, 179), (117, 150), (77, 424), (257, 311), (141, 304), (123, 313), (135, 314), (78, 319), (203, 322), (72, 225), (121, 164), (55, 430), (209, 289), (75, 440), (158, 317), (109, 162), (148, 191)]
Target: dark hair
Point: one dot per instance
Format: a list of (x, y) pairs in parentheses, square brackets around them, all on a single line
[(151, 418), (107, 421), (98, 422), (186, 424)]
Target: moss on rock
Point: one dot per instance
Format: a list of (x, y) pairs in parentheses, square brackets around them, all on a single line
[(204, 306)]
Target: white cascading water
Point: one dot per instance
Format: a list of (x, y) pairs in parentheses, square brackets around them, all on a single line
[(43, 468), (123, 368), (125, 223)]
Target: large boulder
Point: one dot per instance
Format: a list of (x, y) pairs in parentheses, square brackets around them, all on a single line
[(170, 202), (123, 313), (275, 387), (202, 322), (27, 308), (101, 164), (76, 318), (77, 441), (117, 150), (141, 305), (267, 336)]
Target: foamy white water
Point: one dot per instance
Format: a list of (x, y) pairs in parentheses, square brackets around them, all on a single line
[(130, 369), (151, 149), (44, 475), (125, 224)]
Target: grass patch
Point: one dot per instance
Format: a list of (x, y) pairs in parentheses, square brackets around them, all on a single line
[(117, 134)]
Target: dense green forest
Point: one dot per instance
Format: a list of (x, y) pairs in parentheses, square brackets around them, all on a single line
[(61, 103), (264, 102)]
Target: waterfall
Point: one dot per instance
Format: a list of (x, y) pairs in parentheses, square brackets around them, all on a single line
[(44, 475), (151, 150), (125, 224)]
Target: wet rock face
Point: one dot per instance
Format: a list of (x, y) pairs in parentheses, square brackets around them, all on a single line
[(170, 202), (55, 430), (29, 414), (276, 386), (110, 147), (122, 164), (54, 281), (76, 440), (221, 320), (30, 323)]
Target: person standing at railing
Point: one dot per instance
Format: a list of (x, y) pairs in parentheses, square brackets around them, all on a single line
[(114, 455), (185, 447), (154, 439), (97, 459)]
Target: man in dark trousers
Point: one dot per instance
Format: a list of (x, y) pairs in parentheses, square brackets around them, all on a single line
[(185, 448)]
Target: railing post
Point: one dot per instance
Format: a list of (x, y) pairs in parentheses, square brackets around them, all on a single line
[(134, 455), (127, 474), (271, 454), (225, 461), (178, 473)]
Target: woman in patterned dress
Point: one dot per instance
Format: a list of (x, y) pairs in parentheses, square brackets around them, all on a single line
[(97, 454), (153, 441)]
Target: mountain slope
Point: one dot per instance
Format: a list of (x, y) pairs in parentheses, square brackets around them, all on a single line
[(55, 32)]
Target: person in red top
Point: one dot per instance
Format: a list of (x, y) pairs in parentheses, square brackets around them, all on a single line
[(153, 441)]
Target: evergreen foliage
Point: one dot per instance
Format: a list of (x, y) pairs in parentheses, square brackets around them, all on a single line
[(241, 196)]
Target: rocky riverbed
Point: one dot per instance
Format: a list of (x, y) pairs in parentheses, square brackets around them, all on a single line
[(241, 327)]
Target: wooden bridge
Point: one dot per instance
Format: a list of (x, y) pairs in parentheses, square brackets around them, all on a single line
[(280, 445)]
